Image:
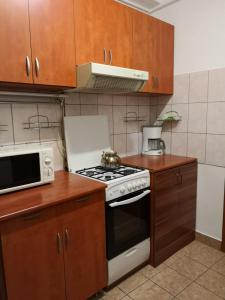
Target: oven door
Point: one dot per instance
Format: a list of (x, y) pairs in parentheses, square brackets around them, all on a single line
[(127, 222)]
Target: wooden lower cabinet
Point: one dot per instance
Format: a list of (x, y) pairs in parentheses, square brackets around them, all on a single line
[(174, 207), (58, 253)]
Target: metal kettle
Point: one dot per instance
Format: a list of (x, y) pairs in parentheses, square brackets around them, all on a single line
[(110, 159)]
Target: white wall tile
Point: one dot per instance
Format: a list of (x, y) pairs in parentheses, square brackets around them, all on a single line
[(73, 99), (132, 100), (197, 117), (179, 144), (133, 125), (120, 143), (153, 114), (105, 99), (199, 86), (180, 126), (119, 100), (197, 146), (167, 138), (88, 110), (119, 113), (143, 113), (216, 118), (73, 110), (59, 153), (144, 101), (181, 89), (107, 111), (88, 98), (6, 137), (140, 142), (132, 144), (215, 150), (217, 85), (21, 114)]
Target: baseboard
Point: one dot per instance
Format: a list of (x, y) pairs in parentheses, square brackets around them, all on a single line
[(208, 240)]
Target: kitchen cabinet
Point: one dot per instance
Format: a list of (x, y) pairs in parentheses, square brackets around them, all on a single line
[(103, 32), (174, 204), (153, 51), (37, 37), (58, 253)]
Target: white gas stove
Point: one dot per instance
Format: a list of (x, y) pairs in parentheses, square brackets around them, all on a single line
[(127, 208)]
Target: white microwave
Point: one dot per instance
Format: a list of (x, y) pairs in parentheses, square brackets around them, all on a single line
[(22, 168)]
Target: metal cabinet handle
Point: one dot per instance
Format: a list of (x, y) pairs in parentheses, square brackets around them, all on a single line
[(105, 55), (59, 243), (67, 237), (111, 56), (27, 66), (83, 199), (37, 67)]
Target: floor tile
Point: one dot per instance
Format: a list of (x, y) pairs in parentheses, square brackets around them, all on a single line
[(202, 253), (132, 282), (114, 294), (188, 267), (220, 266), (150, 291), (149, 271), (214, 282), (173, 258), (171, 281), (196, 292)]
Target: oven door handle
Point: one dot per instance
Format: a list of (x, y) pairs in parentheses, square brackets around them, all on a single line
[(132, 200)]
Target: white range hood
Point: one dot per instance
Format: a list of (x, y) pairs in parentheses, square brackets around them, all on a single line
[(93, 77)]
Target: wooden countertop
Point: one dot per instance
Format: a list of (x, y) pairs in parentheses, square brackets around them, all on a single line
[(66, 187), (157, 163)]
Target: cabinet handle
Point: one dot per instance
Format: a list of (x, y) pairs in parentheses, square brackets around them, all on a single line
[(28, 66), (111, 56), (105, 55), (67, 237), (59, 243), (83, 199), (37, 67)]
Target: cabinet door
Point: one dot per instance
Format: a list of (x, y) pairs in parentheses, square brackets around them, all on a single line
[(153, 44), (52, 42), (90, 31), (33, 265), (85, 253), (14, 41), (119, 29)]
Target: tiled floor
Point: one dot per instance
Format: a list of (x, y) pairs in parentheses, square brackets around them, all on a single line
[(196, 272)]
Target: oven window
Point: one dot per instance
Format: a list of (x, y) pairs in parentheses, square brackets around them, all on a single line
[(19, 170), (127, 225)]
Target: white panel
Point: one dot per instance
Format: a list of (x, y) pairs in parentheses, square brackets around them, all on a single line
[(86, 137), (210, 200)]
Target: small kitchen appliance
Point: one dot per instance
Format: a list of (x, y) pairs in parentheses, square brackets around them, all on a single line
[(25, 167), (152, 142), (127, 196), (110, 160)]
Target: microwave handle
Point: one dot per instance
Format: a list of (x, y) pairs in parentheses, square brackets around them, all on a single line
[(132, 200)]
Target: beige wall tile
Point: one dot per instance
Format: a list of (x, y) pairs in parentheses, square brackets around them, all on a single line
[(21, 113), (153, 114), (140, 142), (216, 118), (120, 142), (119, 100), (216, 85), (144, 101), (59, 153), (132, 143), (199, 86), (73, 99), (132, 100), (132, 126), (181, 89), (107, 111), (87, 110), (180, 126), (105, 99), (73, 110), (215, 149), (167, 137), (88, 98), (197, 117), (6, 137), (196, 146), (179, 143), (119, 113), (144, 113)]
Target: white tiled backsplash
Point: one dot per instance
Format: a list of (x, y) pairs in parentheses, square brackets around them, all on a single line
[(198, 97)]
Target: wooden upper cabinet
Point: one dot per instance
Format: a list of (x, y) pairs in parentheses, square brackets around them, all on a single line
[(33, 262), (153, 44), (119, 24), (52, 42), (90, 31), (14, 41), (103, 31)]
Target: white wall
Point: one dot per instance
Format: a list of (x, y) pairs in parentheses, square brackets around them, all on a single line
[(199, 34)]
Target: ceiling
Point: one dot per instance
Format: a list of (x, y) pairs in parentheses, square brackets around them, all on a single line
[(148, 5)]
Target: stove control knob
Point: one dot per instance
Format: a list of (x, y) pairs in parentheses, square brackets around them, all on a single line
[(134, 185), (129, 187), (48, 160), (122, 190)]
